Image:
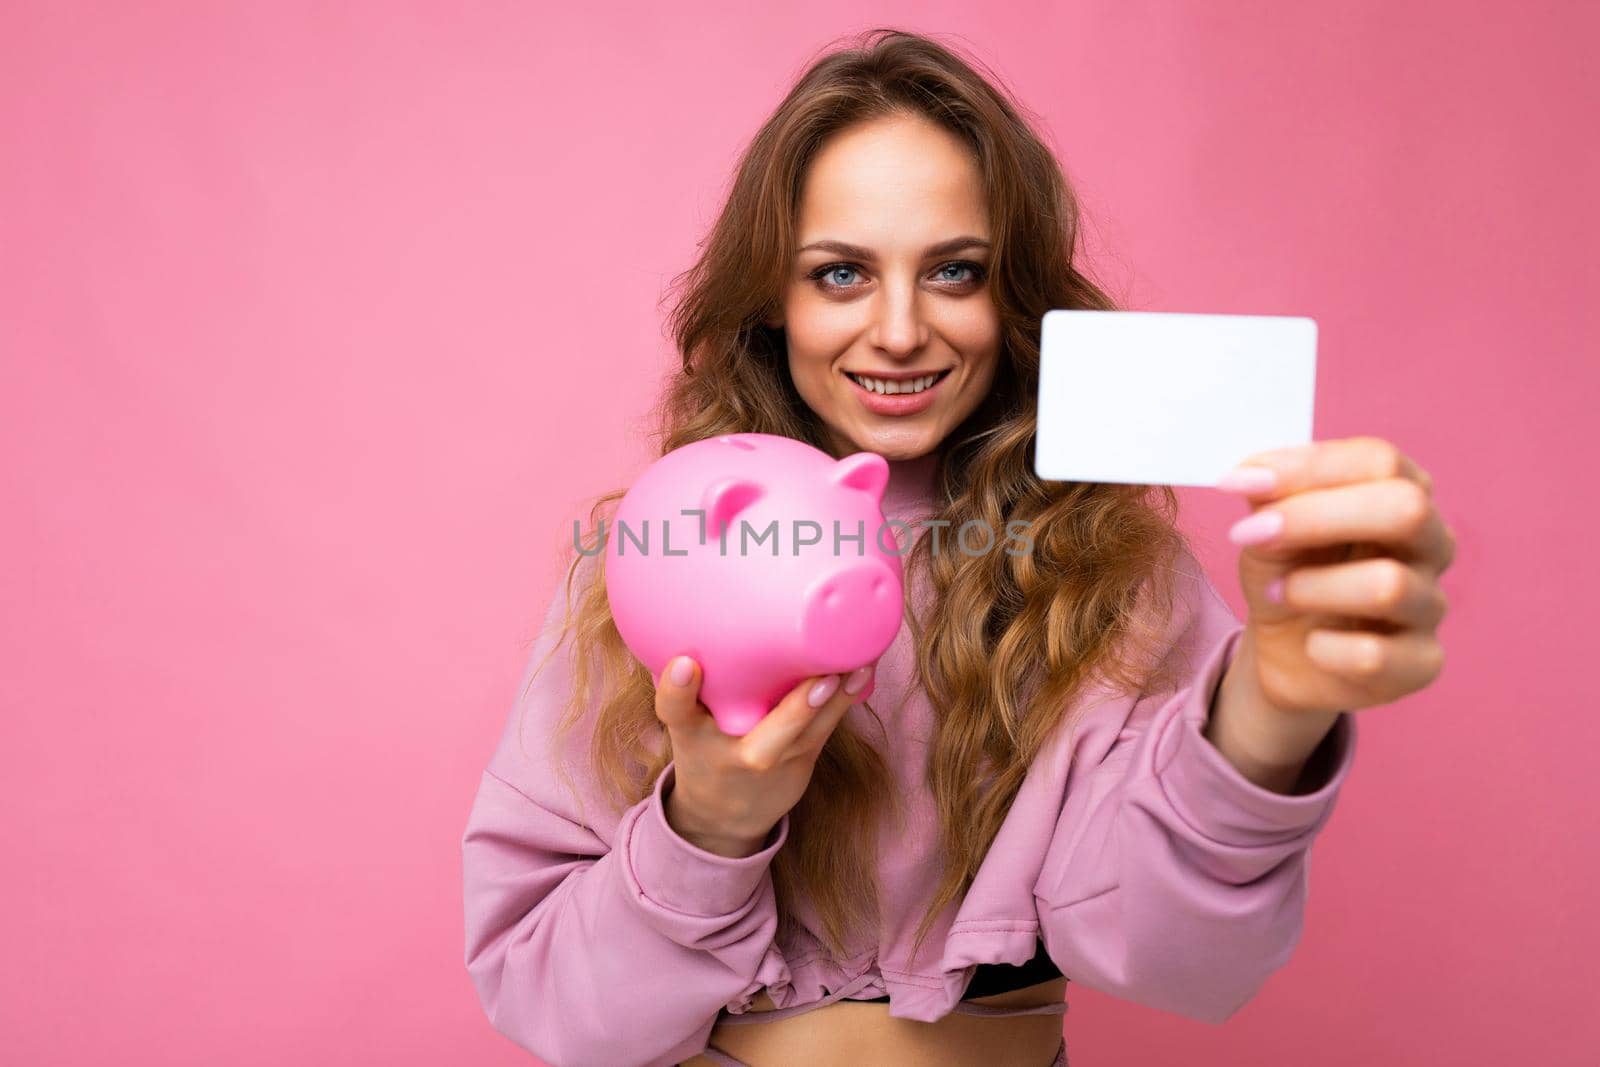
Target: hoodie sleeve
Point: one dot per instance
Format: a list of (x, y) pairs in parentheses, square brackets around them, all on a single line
[(1171, 879), (594, 940)]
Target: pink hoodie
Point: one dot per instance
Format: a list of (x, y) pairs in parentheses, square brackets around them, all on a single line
[(1152, 869)]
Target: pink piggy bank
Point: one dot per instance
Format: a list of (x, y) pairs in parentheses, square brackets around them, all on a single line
[(766, 560)]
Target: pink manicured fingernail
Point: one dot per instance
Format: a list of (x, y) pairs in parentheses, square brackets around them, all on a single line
[(682, 670), (1254, 529), (1274, 590), (823, 690), (1248, 480), (857, 680)]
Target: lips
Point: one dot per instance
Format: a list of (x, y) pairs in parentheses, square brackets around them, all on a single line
[(897, 384), (900, 404)]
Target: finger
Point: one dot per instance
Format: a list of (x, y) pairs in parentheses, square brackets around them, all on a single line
[(677, 700), (1379, 588), (1394, 512), (1447, 552), (1283, 472), (769, 741), (815, 735), (1387, 665)]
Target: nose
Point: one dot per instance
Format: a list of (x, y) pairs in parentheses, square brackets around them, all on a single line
[(852, 616), (899, 328)]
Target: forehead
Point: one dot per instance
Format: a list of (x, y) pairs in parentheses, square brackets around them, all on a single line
[(892, 181)]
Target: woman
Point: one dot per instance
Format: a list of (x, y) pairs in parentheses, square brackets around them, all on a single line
[(1120, 783)]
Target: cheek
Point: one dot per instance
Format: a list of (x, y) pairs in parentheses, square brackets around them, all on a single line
[(817, 335), (975, 326), (975, 333), (820, 328), (987, 366)]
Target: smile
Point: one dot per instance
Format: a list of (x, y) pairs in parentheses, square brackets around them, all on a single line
[(889, 387)]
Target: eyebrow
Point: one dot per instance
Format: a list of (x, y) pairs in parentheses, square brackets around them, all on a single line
[(943, 248)]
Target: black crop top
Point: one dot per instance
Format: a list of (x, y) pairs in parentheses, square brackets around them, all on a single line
[(991, 978)]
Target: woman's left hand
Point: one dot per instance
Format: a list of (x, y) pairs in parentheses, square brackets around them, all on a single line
[(1344, 599)]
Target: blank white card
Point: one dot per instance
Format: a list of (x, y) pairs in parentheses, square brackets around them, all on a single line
[(1167, 398)]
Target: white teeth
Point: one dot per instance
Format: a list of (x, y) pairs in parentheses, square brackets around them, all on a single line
[(889, 388)]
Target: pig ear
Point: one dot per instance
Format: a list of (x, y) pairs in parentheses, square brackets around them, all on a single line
[(866, 471), (726, 498)]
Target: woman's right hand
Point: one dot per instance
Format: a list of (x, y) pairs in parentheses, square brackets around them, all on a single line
[(729, 792)]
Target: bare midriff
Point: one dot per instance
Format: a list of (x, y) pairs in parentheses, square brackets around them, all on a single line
[(850, 1033)]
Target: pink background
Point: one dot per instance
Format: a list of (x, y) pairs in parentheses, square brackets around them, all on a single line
[(321, 322)]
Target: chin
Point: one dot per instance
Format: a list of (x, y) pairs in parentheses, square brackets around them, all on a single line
[(900, 444)]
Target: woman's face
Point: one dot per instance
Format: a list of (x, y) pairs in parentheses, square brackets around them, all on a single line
[(908, 299)]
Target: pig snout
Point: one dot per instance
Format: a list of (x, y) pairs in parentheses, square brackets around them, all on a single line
[(852, 617)]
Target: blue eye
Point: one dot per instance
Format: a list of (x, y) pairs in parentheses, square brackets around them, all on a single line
[(975, 273), (834, 269)]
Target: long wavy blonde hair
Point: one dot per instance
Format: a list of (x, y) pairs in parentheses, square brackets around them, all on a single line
[(1011, 639)]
